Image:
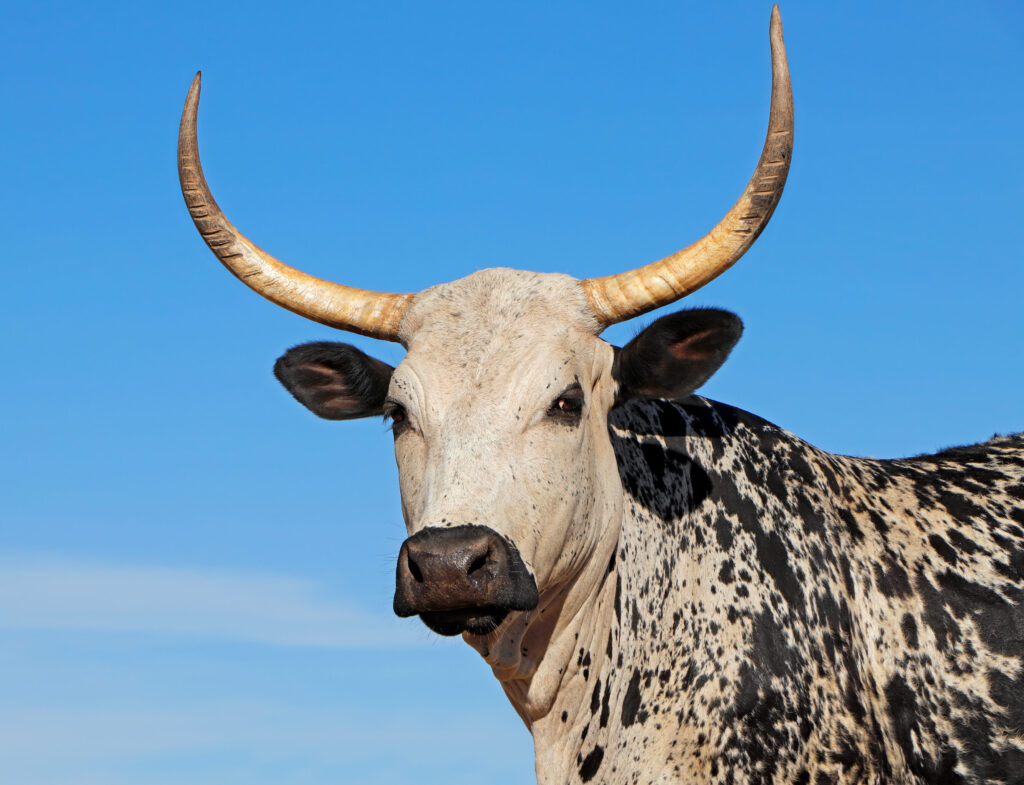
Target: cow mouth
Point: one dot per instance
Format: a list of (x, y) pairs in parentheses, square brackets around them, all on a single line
[(478, 621)]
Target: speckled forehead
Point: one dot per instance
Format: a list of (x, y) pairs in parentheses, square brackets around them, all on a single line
[(519, 306)]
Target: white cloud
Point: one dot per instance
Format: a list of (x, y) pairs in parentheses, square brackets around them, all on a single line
[(254, 742), (52, 594)]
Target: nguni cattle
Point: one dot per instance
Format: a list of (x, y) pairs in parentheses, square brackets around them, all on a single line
[(667, 588)]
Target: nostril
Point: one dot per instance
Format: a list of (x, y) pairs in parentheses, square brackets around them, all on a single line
[(478, 564), (414, 569)]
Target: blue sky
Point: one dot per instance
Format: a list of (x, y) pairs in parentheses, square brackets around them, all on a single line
[(195, 573)]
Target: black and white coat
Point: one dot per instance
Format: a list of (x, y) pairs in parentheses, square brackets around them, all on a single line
[(779, 614)]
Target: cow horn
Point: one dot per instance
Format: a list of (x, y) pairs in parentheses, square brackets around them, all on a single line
[(376, 314), (615, 298)]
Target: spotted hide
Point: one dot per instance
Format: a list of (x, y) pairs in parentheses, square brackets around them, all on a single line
[(785, 615)]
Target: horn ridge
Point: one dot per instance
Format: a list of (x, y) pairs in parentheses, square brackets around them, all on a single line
[(376, 314), (615, 298)]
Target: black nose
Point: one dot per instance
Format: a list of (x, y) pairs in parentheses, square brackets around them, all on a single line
[(461, 578)]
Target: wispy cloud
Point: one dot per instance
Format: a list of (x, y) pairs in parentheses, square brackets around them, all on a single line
[(52, 594), (216, 742)]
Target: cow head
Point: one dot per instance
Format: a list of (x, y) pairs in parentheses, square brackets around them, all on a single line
[(499, 409)]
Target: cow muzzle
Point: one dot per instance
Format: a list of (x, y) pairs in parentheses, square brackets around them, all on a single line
[(462, 579)]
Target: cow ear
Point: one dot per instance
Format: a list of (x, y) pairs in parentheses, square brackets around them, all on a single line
[(676, 354), (335, 381)]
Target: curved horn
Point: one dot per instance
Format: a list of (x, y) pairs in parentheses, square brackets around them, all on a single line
[(376, 314), (615, 298)]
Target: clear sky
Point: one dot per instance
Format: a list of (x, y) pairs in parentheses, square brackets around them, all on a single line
[(195, 573)]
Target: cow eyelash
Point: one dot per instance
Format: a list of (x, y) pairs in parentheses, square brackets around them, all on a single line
[(395, 415), (568, 406)]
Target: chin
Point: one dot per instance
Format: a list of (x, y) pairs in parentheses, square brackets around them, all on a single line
[(477, 621)]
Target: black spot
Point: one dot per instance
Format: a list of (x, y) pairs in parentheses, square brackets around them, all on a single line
[(943, 548), (960, 506), (673, 485), (606, 704), (725, 574), (771, 553), (591, 764), (851, 524), (844, 564), (893, 581), (935, 615), (878, 522), (776, 486), (962, 543), (813, 520), (909, 630), (769, 647), (723, 533), (631, 703)]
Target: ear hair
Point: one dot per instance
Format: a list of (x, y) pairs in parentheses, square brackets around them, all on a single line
[(335, 381), (676, 354)]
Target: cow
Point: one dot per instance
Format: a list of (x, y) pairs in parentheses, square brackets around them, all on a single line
[(667, 588)]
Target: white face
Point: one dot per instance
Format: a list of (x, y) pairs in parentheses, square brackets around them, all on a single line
[(503, 400)]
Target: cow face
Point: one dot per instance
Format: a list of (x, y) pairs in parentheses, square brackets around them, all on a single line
[(499, 412)]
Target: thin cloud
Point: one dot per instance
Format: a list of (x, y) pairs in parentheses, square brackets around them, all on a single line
[(255, 742), (51, 594)]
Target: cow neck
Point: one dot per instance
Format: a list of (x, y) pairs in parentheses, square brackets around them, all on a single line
[(540, 655)]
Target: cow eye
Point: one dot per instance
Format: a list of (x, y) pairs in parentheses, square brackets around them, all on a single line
[(568, 406), (395, 414)]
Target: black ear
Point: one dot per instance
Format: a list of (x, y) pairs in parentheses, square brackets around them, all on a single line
[(676, 354), (335, 381)]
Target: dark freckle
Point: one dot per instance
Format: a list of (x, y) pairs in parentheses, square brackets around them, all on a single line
[(591, 764), (943, 548), (565, 716), (723, 532), (962, 543), (725, 574), (631, 703), (909, 630)]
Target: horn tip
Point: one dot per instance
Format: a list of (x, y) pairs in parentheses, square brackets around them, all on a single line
[(775, 30), (192, 99)]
